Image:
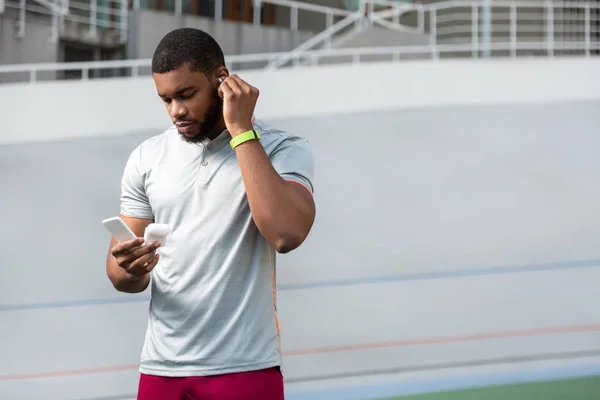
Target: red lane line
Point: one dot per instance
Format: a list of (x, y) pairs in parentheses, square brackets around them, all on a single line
[(447, 339), (69, 372), (334, 349)]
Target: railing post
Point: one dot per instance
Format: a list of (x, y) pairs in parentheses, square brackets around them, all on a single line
[(178, 8), (256, 14), (54, 29), (65, 7), (94, 18), (124, 21), (136, 5), (294, 19), (32, 76), (513, 30), (328, 22), (218, 10), (588, 39), (21, 31), (550, 28), (487, 27), (363, 8), (475, 30), (433, 33)]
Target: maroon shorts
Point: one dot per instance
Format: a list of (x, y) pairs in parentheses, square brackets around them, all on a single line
[(264, 384)]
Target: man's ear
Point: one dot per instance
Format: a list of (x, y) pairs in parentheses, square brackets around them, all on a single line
[(222, 73)]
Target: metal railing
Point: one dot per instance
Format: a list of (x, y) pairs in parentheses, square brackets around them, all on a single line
[(141, 67), (91, 17), (321, 38), (54, 9), (95, 17), (451, 29), (485, 24), (365, 14), (482, 24), (293, 6)]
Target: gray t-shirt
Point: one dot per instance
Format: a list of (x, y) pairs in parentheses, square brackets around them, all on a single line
[(213, 295)]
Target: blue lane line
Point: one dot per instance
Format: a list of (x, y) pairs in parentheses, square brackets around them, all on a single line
[(462, 273), (407, 388), (74, 303)]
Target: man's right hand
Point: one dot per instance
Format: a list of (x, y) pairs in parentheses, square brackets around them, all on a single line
[(136, 258)]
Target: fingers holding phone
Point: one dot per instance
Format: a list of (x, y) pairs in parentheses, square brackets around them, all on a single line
[(135, 257)]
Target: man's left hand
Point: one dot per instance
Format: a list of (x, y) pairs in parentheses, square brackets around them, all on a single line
[(239, 100)]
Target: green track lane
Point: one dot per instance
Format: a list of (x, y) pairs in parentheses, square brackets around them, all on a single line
[(572, 389)]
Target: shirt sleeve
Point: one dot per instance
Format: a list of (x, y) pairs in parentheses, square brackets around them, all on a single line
[(293, 160), (134, 202)]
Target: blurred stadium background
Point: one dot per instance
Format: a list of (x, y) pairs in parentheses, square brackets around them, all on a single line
[(456, 249)]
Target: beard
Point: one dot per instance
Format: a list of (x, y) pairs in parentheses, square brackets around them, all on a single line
[(212, 118)]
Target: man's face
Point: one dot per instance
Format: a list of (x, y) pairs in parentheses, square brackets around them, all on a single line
[(193, 102)]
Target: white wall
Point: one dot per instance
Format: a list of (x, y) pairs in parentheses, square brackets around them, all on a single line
[(60, 110)]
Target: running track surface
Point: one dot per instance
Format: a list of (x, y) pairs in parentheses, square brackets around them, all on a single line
[(447, 240)]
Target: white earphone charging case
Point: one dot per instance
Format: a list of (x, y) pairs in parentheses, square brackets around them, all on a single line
[(157, 233)]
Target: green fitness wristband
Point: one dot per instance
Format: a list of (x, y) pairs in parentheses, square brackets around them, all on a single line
[(244, 137)]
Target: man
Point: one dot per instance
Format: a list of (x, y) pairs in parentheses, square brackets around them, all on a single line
[(234, 191)]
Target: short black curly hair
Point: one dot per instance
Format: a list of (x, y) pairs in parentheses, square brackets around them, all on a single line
[(194, 47)]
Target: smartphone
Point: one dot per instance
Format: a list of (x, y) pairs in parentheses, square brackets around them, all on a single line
[(119, 229)]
